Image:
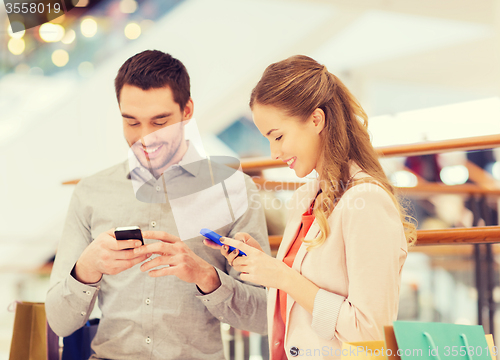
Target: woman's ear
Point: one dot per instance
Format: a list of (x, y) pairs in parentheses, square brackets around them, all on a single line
[(318, 118)]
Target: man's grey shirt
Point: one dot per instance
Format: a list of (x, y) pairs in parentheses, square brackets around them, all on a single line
[(145, 317)]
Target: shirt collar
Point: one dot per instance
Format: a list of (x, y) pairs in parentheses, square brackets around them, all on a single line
[(192, 158)]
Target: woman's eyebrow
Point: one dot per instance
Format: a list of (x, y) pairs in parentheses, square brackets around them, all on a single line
[(270, 131)]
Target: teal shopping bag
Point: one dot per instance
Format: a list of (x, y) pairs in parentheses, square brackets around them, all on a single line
[(438, 341)]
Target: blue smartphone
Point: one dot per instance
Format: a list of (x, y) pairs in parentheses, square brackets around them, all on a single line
[(213, 236)]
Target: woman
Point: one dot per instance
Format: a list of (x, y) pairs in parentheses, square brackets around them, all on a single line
[(337, 273)]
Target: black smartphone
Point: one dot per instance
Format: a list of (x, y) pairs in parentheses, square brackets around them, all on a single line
[(128, 233)]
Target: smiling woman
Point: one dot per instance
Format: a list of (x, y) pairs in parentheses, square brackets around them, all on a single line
[(337, 273)]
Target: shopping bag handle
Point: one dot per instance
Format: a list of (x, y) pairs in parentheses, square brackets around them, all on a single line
[(12, 306), (431, 342), (466, 343)]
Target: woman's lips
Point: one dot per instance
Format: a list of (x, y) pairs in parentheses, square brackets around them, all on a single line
[(291, 162)]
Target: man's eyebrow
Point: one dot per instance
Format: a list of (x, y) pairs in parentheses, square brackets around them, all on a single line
[(156, 117), (128, 116), (161, 116), (270, 131)]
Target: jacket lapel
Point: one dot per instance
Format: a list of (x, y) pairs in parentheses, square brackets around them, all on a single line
[(311, 234), (297, 264), (292, 228)]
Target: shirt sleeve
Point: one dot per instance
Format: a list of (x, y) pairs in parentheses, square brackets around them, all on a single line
[(70, 302), (243, 305), (375, 250)]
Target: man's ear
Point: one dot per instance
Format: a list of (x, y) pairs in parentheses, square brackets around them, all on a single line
[(318, 119), (188, 111)]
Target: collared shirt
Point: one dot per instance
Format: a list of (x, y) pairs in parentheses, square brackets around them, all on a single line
[(145, 317)]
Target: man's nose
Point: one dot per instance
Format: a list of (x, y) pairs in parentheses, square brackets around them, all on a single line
[(148, 136)]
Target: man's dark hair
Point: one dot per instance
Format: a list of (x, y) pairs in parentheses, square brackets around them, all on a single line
[(153, 69)]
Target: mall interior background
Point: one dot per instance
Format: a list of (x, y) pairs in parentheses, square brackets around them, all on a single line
[(423, 70)]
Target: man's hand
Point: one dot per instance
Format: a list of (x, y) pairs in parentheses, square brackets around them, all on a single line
[(106, 255), (181, 260)]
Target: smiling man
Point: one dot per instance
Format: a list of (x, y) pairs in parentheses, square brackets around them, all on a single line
[(153, 125), (172, 312)]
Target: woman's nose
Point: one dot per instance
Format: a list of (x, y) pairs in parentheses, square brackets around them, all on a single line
[(276, 153)]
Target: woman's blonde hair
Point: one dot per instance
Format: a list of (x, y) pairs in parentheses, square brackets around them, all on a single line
[(298, 86)]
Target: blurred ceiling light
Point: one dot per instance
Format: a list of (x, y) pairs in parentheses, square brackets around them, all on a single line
[(404, 178), (16, 35), (128, 6), (22, 69), (86, 69), (69, 37), (132, 31), (80, 3), (51, 32), (495, 170), (16, 46), (454, 175), (60, 58), (88, 27)]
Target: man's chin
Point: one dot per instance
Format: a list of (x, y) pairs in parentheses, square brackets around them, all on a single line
[(151, 164)]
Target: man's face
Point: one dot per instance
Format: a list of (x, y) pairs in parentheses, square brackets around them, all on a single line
[(153, 125)]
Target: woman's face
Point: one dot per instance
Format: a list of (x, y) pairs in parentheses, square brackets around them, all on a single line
[(293, 141)]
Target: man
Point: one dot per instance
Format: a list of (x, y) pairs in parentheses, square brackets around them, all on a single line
[(173, 312)]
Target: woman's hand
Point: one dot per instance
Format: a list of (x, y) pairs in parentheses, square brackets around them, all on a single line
[(224, 250), (262, 269), (256, 266)]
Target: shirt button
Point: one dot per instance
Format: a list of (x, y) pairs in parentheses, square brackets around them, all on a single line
[(148, 340), (205, 300), (158, 188), (220, 318), (83, 313), (148, 301), (88, 292), (153, 223)]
